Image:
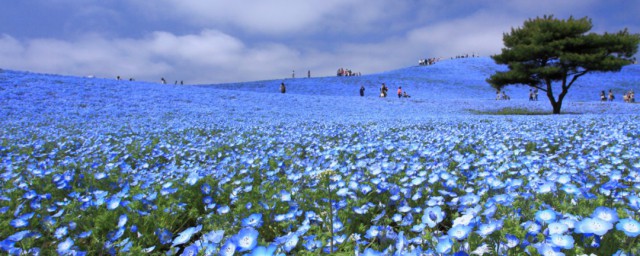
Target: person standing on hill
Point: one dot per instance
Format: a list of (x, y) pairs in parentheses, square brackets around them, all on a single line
[(399, 92), (383, 91), (611, 97), (362, 91), (283, 88)]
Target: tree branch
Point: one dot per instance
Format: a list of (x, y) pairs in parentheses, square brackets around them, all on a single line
[(575, 77)]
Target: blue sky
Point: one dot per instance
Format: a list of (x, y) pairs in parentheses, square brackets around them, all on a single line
[(213, 41)]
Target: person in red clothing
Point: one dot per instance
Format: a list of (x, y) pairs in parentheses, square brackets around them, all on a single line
[(400, 92)]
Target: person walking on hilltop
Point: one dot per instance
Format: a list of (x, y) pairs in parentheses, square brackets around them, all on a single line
[(399, 92), (362, 91), (283, 88)]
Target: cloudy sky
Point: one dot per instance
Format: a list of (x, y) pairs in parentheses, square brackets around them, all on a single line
[(215, 41)]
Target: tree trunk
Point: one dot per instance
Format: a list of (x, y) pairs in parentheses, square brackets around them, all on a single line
[(556, 107)]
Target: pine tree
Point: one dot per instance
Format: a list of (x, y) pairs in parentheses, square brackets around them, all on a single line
[(547, 52)]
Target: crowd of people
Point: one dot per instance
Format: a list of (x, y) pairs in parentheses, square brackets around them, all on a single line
[(463, 56), (428, 61), (501, 95), (384, 91), (347, 72)]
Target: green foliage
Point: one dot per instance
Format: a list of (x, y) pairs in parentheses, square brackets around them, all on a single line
[(548, 50)]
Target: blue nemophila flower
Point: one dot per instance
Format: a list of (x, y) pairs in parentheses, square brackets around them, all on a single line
[(546, 216), (372, 252), (488, 228), (223, 209), (546, 187), (557, 228), (113, 202), (285, 196), (229, 247), (562, 241), (634, 202), (122, 220), (469, 200), (629, 226), (291, 242), (19, 223), (459, 232), (100, 175), (532, 227), (186, 235), (246, 239), (547, 250), (372, 232), (64, 247), (254, 220), (18, 236), (464, 220), (192, 178), (164, 236), (593, 226), (264, 251), (512, 241), (444, 244), (84, 234), (214, 236), (205, 188), (605, 213), (407, 220), (61, 232), (191, 250), (30, 194), (115, 235), (311, 244), (433, 216), (396, 217)]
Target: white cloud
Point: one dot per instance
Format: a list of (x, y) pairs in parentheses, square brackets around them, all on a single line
[(279, 17), (210, 56)]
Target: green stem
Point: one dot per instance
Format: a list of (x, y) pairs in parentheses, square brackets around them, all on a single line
[(330, 216)]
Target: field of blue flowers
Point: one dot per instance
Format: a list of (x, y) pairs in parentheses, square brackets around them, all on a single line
[(92, 166)]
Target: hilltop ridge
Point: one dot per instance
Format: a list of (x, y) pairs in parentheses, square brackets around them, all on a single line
[(448, 79)]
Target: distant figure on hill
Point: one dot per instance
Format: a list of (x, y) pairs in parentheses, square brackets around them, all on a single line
[(163, 81), (611, 97), (362, 91), (118, 78), (293, 74), (498, 97), (530, 94), (399, 92), (308, 73), (535, 94), (181, 82), (383, 91), (131, 79), (283, 88), (603, 97), (405, 95)]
